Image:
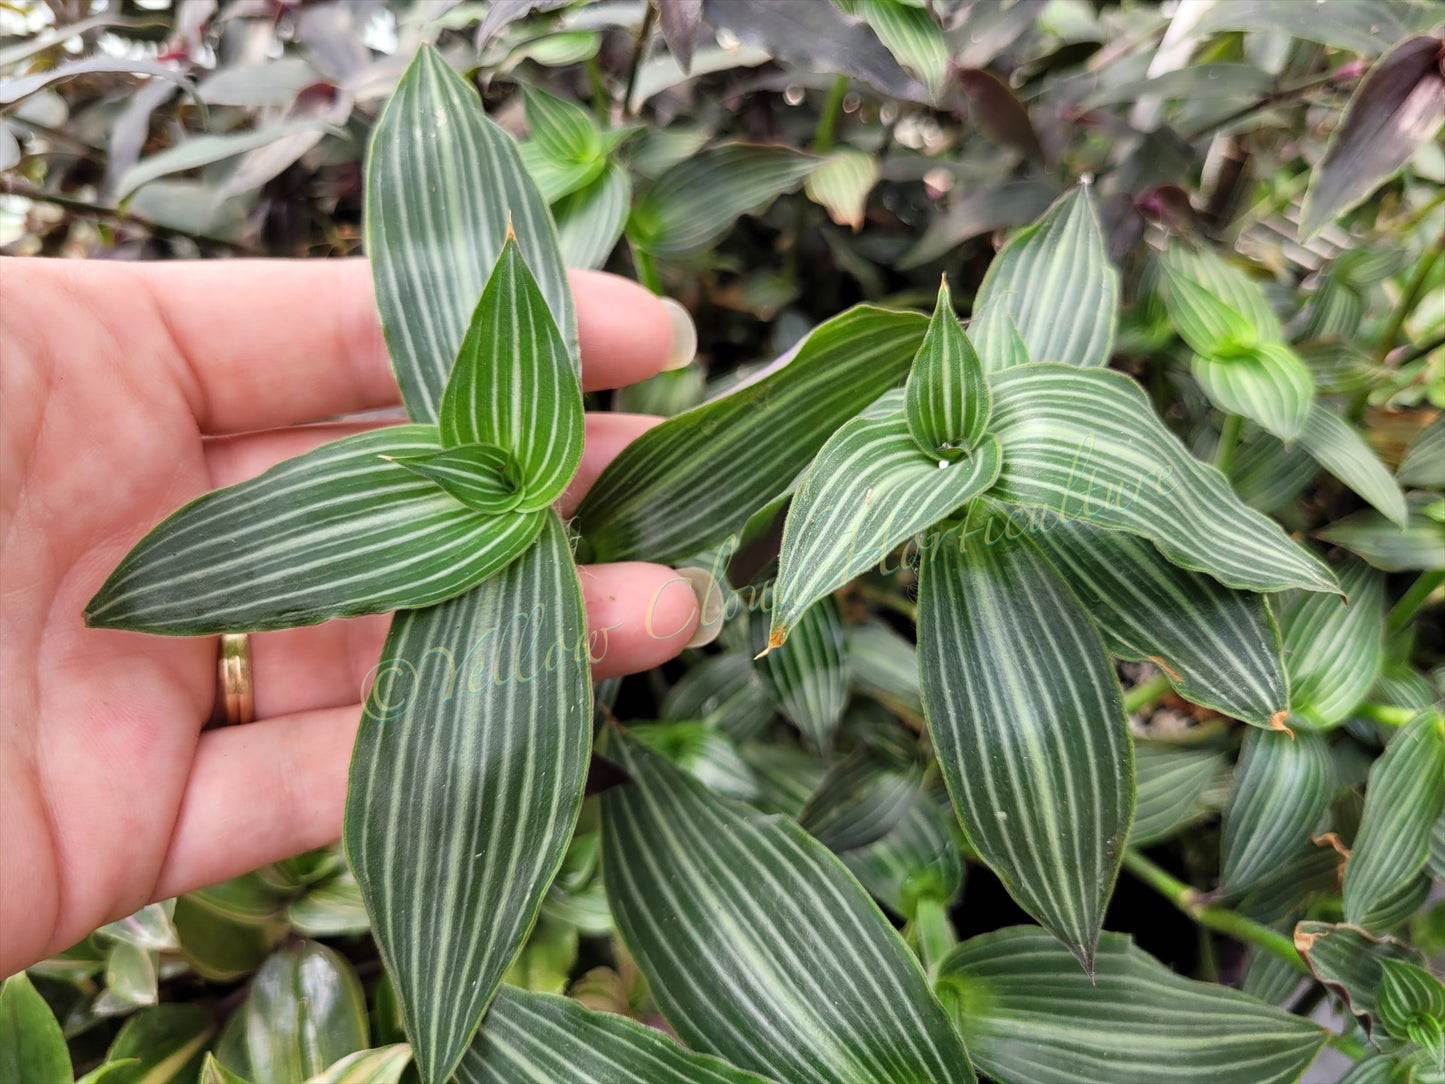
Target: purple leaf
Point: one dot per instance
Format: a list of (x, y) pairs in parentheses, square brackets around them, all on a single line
[(681, 20), (998, 113)]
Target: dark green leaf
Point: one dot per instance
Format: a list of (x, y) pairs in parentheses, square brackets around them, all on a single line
[(481, 476), (1281, 792), (1174, 784), (915, 860), (885, 666), (1217, 646), (1087, 444), (757, 944), (1013, 666), (1350, 961), (859, 801), (1334, 648), (694, 480), (1408, 991), (1420, 545), (1030, 1016), (1342, 452), (946, 399), (590, 220), (912, 35), (562, 130), (1368, 27), (465, 785), (1055, 281), (164, 1045), (430, 258), (1404, 797), (1422, 463), (333, 533), (868, 490), (515, 385), (527, 1038), (31, 1044), (808, 676)]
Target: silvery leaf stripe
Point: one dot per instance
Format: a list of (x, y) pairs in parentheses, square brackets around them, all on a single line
[(1281, 792)]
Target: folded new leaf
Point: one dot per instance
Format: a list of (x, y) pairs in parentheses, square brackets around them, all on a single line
[(481, 476), (1268, 383), (337, 532), (514, 384), (946, 399)]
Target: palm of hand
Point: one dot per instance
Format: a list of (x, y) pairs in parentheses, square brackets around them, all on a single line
[(115, 377)]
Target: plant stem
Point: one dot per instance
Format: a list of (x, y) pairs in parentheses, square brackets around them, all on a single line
[(600, 104), (1274, 97), (1412, 600), (828, 120), (1408, 300), (646, 270), (644, 33), (1350, 1048), (14, 186), (1386, 714), (1415, 353), (933, 933), (1228, 443), (1145, 693), (1221, 919)]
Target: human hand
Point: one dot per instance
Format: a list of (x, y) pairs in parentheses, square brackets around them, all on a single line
[(127, 390)]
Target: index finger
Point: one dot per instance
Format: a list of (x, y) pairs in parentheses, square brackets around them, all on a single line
[(264, 343)]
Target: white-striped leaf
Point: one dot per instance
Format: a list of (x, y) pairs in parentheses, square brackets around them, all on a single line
[(696, 201), (383, 1065), (885, 666), (1028, 722), (590, 220), (1266, 383), (859, 801), (1208, 325), (527, 1038), (1420, 544), (465, 785), (556, 180), (1421, 465), (808, 676), (915, 860), (1086, 443), (333, 533), (1030, 1016), (756, 942), (996, 338), (1217, 646), (1404, 797), (946, 400), (1349, 961), (1055, 280), (562, 130), (481, 476), (442, 183), (868, 490), (515, 385), (1281, 791), (691, 482), (1227, 285), (911, 34), (1334, 649), (1173, 787), (841, 185), (1341, 451)]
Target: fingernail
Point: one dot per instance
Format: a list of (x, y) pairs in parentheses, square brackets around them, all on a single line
[(710, 605), (684, 335)]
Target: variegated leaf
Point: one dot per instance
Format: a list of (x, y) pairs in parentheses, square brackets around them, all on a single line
[(1281, 791), (1334, 649), (1344, 453), (1266, 383), (946, 400)]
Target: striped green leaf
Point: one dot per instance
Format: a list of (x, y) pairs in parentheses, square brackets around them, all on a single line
[(859, 801), (465, 785), (1028, 723), (946, 399), (1403, 798), (915, 860), (1350, 961), (996, 338), (1055, 281), (885, 666), (442, 183), (556, 180), (695, 202), (304, 1011), (1266, 383), (1407, 992), (383, 1065), (757, 944), (1228, 286), (1281, 792), (912, 35), (841, 184), (1217, 646), (1421, 465), (515, 385), (527, 1038), (1343, 452), (868, 490), (165, 1043), (590, 220), (691, 482), (562, 130), (1087, 444), (807, 677), (1267, 475), (1174, 786), (1420, 544), (482, 476), (32, 1046), (333, 533), (1205, 321), (1334, 650), (1030, 1016)]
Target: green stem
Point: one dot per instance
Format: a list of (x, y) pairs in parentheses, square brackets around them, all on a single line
[(1145, 693), (1228, 443), (640, 51), (1419, 592), (1408, 300), (1415, 353), (1350, 1048), (1221, 919), (1386, 714), (600, 105), (828, 120), (646, 270), (933, 933)]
